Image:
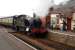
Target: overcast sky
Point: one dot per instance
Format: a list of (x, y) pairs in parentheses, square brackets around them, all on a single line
[(15, 7)]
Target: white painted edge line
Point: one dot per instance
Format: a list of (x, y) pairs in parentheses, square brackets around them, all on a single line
[(25, 43), (65, 34), (62, 33)]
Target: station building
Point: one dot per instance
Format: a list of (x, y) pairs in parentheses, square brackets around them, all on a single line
[(65, 11)]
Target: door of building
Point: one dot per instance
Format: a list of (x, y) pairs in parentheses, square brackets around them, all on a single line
[(69, 23)]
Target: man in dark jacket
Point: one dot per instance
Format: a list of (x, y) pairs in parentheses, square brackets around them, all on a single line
[(26, 22)]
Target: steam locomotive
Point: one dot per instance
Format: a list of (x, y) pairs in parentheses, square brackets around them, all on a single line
[(23, 23)]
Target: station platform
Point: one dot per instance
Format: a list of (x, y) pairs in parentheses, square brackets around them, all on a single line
[(10, 42), (64, 32), (66, 37)]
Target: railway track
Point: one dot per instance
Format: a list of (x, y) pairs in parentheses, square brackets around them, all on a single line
[(42, 44), (33, 41)]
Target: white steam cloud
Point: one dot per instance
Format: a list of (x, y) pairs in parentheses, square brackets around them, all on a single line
[(15, 7)]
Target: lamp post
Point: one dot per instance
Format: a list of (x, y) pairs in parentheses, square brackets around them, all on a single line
[(48, 17)]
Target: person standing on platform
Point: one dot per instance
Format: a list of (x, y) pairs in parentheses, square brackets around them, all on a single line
[(61, 24), (64, 25)]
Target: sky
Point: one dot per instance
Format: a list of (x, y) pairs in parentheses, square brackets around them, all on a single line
[(17, 7)]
